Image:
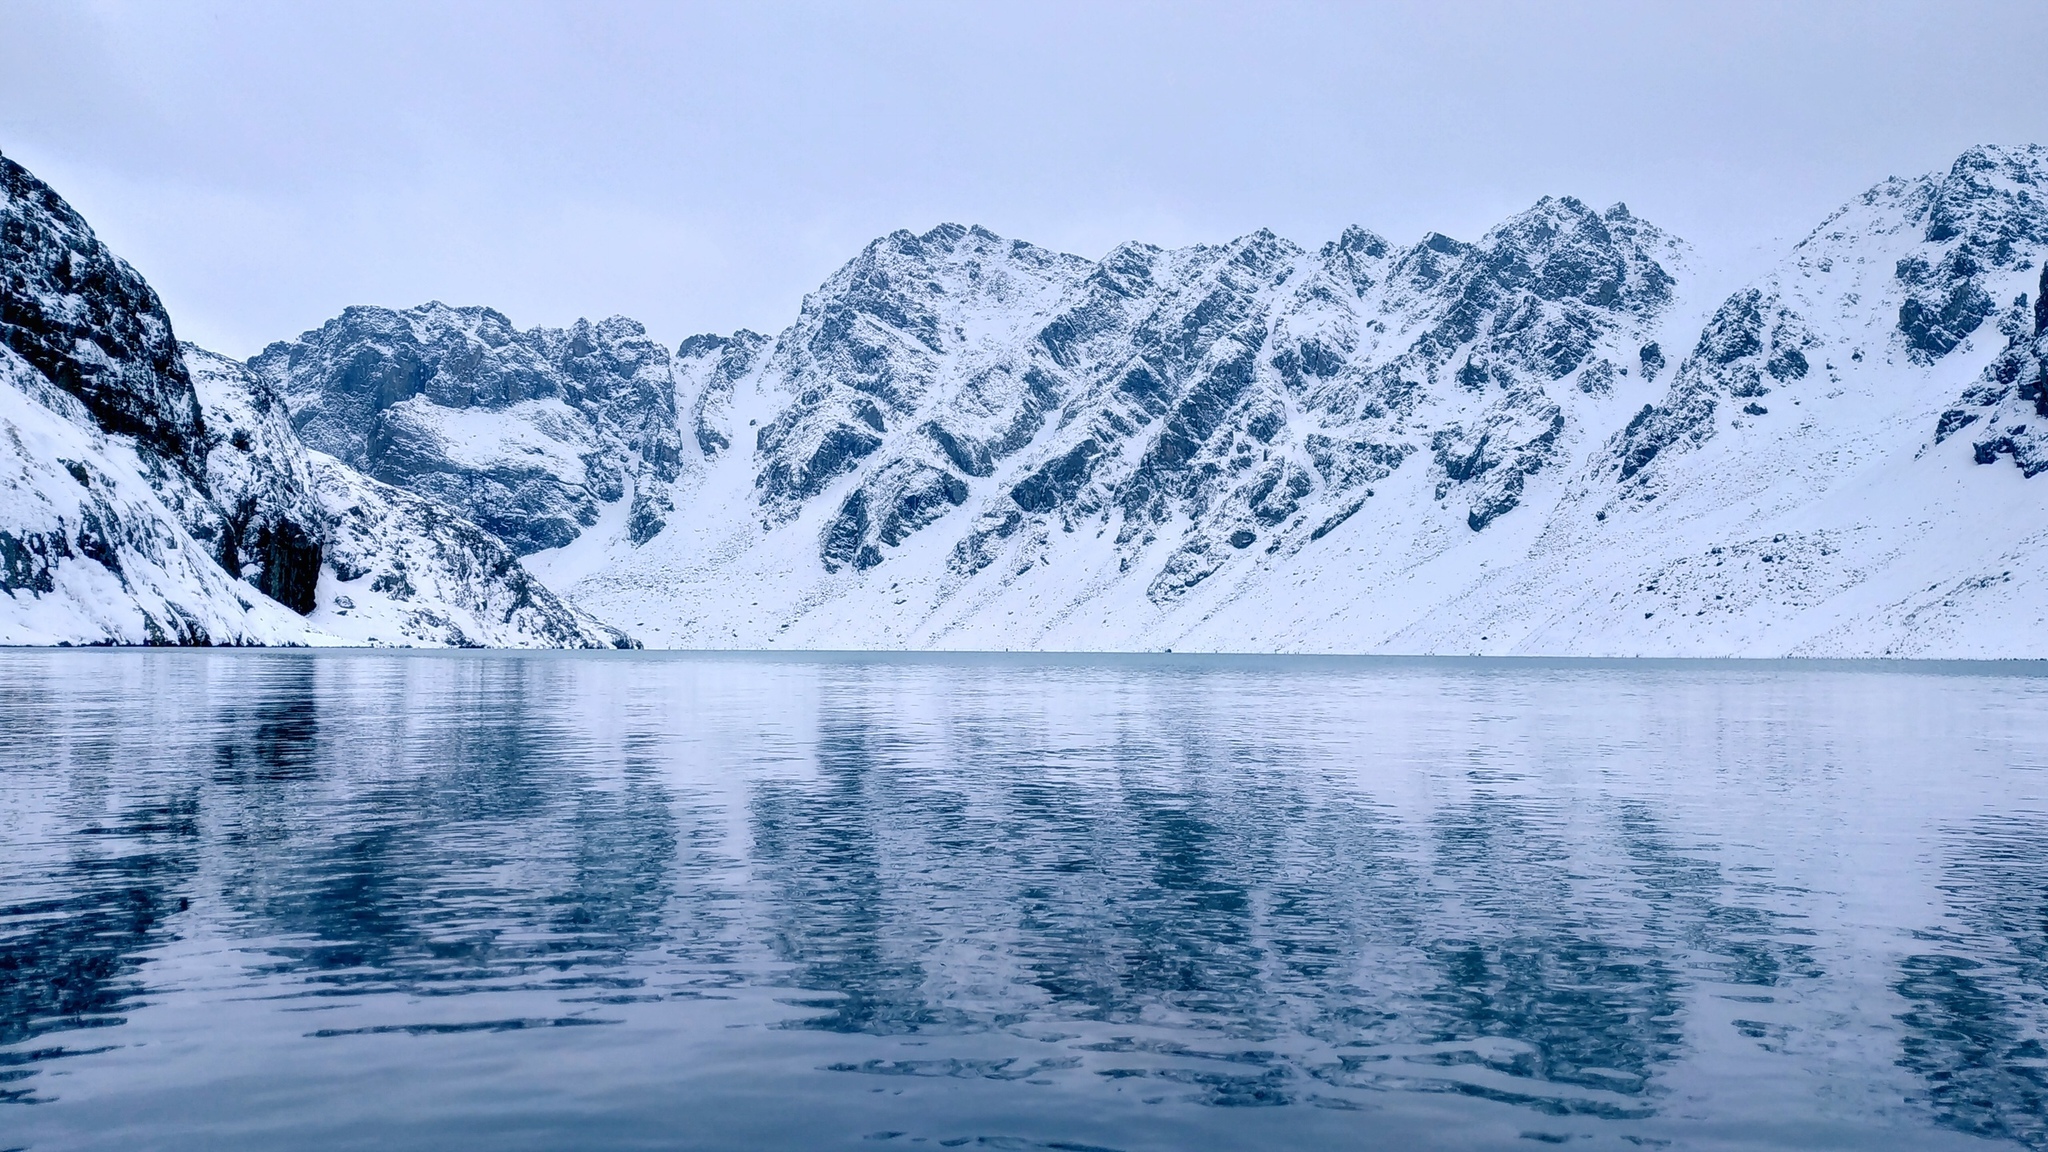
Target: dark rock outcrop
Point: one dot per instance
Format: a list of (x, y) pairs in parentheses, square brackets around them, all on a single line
[(271, 531), (82, 319), (1982, 216), (89, 323), (525, 432), (149, 491), (2009, 403)]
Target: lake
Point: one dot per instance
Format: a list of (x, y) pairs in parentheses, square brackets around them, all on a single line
[(384, 900)]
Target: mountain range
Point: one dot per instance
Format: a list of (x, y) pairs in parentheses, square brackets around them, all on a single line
[(1546, 440)]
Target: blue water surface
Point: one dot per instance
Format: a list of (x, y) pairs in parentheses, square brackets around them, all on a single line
[(494, 901)]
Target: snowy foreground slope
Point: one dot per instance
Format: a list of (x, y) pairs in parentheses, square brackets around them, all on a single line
[(152, 493), (1542, 441), (1534, 443)]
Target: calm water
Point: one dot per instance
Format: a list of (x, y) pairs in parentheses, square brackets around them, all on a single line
[(280, 900)]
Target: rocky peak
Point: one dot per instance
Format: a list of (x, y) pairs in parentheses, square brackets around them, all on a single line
[(1530, 301), (1987, 215), (1357, 259), (1423, 265), (369, 359), (82, 317), (1561, 250), (911, 328), (1991, 200), (1554, 293), (906, 292), (1222, 395), (1943, 250), (528, 432)]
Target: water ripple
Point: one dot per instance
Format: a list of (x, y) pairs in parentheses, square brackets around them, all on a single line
[(529, 901)]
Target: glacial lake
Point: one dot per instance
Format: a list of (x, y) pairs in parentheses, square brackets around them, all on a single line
[(265, 900)]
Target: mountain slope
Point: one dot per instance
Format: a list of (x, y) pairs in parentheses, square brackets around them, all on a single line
[(90, 549), (395, 567), (1513, 445), (157, 494), (1786, 494), (1136, 425), (1542, 441), (110, 531), (527, 433)]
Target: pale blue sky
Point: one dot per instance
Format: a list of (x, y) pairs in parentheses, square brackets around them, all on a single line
[(700, 167)]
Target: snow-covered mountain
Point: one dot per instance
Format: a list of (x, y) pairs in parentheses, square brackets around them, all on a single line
[(1535, 442), (155, 493), (1545, 440), (529, 434)]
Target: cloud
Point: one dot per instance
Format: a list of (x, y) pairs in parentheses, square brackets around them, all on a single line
[(701, 167)]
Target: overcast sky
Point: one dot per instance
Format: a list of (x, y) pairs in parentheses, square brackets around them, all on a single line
[(701, 167)]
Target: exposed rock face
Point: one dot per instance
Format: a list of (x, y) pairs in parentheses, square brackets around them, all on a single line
[(1527, 442), (526, 433), (386, 565), (922, 336), (1752, 344), (1443, 446), (271, 530), (1982, 218), (707, 368), (91, 551), (1188, 403), (1943, 240), (156, 494), (2008, 407), (84, 319), (140, 503)]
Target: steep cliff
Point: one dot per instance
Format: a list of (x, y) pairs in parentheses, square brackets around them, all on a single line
[(158, 494)]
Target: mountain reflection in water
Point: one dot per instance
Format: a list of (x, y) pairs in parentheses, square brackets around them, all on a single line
[(291, 899)]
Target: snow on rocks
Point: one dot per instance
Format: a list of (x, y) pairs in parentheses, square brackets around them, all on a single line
[(2009, 405), (527, 433), (955, 411), (158, 494), (1542, 441), (401, 570), (90, 553), (1515, 444)]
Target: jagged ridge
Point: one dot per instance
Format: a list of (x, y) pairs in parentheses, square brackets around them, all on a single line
[(158, 493)]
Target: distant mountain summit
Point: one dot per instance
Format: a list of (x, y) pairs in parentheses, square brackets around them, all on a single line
[(1218, 396), (1538, 441), (527, 433), (1157, 417)]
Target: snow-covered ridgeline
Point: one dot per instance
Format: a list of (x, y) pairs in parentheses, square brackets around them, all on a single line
[(1533, 443), (152, 493), (1541, 441)]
